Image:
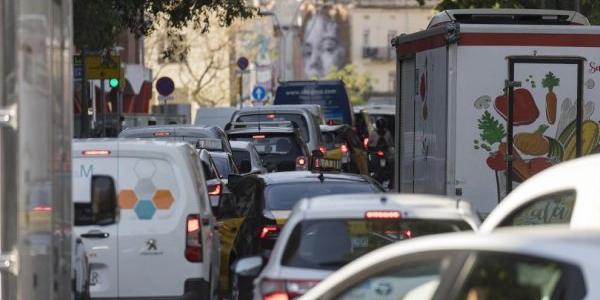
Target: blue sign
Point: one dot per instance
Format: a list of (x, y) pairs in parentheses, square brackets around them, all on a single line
[(243, 63), (165, 86), (259, 93)]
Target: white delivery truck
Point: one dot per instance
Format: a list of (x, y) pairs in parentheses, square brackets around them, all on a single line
[(489, 98), (165, 243)]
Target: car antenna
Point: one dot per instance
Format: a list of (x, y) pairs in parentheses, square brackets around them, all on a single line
[(321, 177)]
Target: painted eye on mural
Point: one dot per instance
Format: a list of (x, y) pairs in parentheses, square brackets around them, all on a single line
[(329, 45), (307, 50)]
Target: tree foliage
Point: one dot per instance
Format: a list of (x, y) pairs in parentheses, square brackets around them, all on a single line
[(589, 8), (358, 85), (97, 23)]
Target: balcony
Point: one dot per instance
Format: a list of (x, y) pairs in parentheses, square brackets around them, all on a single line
[(378, 53)]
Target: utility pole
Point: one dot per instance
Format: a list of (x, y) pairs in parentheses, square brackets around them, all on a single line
[(578, 5)]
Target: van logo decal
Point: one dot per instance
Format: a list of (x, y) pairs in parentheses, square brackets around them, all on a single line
[(145, 199), (151, 244)]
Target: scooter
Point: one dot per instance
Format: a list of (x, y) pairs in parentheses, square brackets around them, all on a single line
[(379, 165)]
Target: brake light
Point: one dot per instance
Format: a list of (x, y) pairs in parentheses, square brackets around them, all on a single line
[(344, 148), (271, 116), (95, 153), (258, 137), (269, 231), (322, 149), (380, 153), (42, 208), (193, 239), (162, 133), (383, 214), (366, 143), (215, 190), (301, 163), (285, 289)]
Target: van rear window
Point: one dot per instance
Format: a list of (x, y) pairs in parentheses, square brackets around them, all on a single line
[(297, 120)]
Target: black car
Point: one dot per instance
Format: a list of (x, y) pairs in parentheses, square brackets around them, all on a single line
[(278, 194), (280, 148), (211, 138)]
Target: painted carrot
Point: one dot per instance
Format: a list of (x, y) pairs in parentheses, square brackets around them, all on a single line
[(549, 82)]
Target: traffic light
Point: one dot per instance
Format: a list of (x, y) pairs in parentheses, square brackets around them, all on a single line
[(113, 83)]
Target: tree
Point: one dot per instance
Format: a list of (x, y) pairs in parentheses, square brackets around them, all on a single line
[(357, 85), (97, 23), (589, 8)]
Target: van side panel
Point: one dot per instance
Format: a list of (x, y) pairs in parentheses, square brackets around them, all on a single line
[(481, 127), (430, 106), (406, 131)]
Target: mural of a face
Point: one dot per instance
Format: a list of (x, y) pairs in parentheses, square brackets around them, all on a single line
[(322, 48)]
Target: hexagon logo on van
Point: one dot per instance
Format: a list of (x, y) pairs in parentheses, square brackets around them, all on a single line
[(163, 199), (145, 209), (145, 188), (144, 169), (127, 199)]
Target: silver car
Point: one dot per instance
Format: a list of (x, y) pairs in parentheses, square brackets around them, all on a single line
[(247, 158)]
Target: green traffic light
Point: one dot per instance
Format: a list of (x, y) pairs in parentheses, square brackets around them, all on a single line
[(113, 82)]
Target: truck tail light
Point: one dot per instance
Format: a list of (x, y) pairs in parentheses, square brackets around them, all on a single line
[(301, 163), (269, 232), (215, 189), (380, 153), (272, 289), (193, 238)]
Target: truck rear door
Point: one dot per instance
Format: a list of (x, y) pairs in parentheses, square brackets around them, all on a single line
[(547, 119)]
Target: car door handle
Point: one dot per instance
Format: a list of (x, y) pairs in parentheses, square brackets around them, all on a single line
[(95, 235)]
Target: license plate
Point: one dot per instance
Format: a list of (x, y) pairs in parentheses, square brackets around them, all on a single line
[(382, 162)]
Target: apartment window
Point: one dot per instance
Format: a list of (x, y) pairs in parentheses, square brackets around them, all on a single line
[(366, 37)]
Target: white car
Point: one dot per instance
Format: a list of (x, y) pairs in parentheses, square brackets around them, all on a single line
[(537, 263), (324, 233), (164, 242), (563, 194)]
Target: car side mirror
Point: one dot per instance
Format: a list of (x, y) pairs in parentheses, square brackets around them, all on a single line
[(104, 200), (249, 266), (245, 167)]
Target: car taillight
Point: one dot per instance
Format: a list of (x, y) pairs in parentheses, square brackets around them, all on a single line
[(95, 152), (383, 214), (193, 238), (344, 148), (269, 231), (380, 153), (285, 289), (301, 163), (215, 190), (366, 143), (322, 149)]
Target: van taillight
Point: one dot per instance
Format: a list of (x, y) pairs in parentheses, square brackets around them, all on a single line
[(215, 190), (193, 238)]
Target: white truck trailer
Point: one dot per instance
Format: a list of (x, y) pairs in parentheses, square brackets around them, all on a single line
[(489, 98)]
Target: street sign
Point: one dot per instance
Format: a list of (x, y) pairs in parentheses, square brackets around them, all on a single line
[(99, 67), (165, 86), (242, 63), (259, 93), (77, 68)]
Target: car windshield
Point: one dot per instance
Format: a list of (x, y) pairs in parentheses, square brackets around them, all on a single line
[(278, 151), (283, 196), (298, 121), (222, 164), (328, 244)]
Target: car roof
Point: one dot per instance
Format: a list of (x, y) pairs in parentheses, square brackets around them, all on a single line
[(262, 129), (553, 242), (451, 15), (180, 130), (307, 176), (118, 145), (291, 108), (240, 145), (332, 128), (410, 206)]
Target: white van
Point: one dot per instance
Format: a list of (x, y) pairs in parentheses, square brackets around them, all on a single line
[(164, 243)]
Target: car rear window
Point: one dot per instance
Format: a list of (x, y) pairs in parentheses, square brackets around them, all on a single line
[(222, 164), (298, 121), (328, 244), (283, 196), (278, 151), (239, 156), (329, 139)]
